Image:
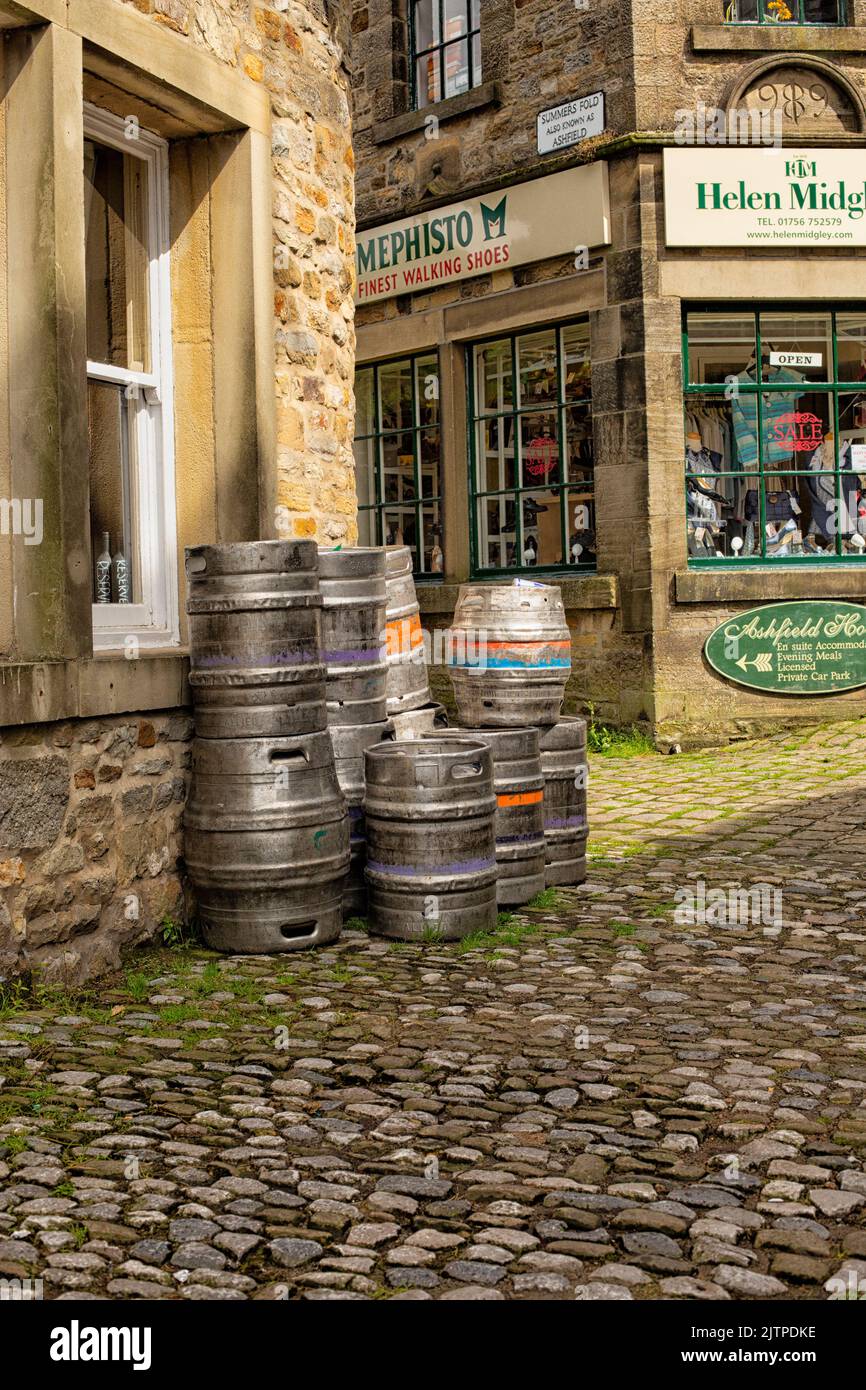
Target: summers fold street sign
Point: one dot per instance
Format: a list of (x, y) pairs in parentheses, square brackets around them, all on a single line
[(557, 215), (770, 196), (814, 647)]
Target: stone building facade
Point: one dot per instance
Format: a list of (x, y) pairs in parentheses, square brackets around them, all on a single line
[(176, 358), (609, 323)]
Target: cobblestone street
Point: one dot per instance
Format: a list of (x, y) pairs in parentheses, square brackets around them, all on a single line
[(603, 1101)]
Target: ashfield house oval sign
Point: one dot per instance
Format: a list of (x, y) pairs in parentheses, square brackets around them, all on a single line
[(814, 647)]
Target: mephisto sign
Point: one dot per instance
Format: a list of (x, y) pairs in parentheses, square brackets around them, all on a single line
[(749, 197), (562, 213)]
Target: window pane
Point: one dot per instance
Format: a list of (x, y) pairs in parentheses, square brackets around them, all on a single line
[(476, 60), (496, 467), (851, 346), (578, 443), (820, 11), (365, 471), (427, 388), (494, 372), (720, 346), (428, 454), (497, 532), (428, 81), (539, 447), (581, 527), (426, 24), (743, 10), (456, 68), (537, 365), (395, 396), (456, 19), (398, 468), (116, 258), (796, 347), (113, 500), (542, 528), (476, 14), (400, 527), (578, 374), (365, 410), (432, 560)]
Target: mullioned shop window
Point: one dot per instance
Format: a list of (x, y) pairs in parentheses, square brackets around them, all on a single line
[(445, 49), (398, 456), (531, 455), (775, 435), (785, 12)]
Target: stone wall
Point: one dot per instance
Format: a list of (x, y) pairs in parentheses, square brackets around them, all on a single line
[(297, 52), (90, 815), (536, 53)]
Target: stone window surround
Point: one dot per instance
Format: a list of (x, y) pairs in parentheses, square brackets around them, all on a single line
[(767, 38), (497, 20), (60, 49)]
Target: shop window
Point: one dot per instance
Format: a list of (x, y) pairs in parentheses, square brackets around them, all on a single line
[(445, 44), (775, 435), (129, 384), (397, 458), (532, 481), (785, 11)]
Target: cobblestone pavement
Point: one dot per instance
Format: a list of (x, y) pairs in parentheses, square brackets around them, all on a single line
[(601, 1102)]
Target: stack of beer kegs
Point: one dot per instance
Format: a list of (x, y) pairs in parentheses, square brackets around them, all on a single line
[(266, 829)]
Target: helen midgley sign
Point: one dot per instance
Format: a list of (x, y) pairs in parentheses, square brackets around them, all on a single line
[(750, 197), (528, 222)]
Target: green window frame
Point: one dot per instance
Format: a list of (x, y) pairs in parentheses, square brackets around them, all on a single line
[(530, 416), (398, 457), (770, 418), (786, 12), (444, 49)]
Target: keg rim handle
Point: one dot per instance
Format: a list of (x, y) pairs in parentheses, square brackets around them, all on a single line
[(463, 771)]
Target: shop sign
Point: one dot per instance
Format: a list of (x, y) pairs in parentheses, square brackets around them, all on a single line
[(554, 216), (796, 359), (797, 431), (769, 197), (814, 647), (570, 123)]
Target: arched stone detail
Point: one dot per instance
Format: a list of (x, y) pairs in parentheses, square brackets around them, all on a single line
[(811, 94)]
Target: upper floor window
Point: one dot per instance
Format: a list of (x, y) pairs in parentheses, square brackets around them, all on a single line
[(785, 11), (445, 41)]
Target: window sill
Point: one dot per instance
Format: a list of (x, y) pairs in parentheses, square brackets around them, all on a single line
[(765, 585), (488, 94), (42, 692), (589, 592), (767, 38)]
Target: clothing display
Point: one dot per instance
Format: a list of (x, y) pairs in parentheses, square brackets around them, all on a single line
[(824, 496)]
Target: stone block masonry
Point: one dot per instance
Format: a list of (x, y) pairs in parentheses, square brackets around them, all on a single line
[(297, 52), (90, 822)]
